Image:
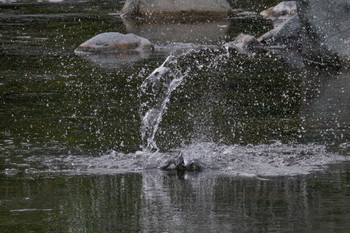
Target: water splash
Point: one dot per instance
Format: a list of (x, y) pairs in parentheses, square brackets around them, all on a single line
[(262, 160), (159, 90), (156, 90)]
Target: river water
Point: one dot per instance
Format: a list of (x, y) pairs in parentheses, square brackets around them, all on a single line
[(81, 137)]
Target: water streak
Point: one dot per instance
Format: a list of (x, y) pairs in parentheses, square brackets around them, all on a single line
[(156, 90)]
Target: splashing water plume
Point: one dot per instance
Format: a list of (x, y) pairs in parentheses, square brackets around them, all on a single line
[(155, 96), (156, 90)]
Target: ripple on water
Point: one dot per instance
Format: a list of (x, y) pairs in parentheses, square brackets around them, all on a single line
[(275, 159)]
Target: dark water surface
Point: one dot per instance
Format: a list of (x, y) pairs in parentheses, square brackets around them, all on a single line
[(71, 156), (154, 201)]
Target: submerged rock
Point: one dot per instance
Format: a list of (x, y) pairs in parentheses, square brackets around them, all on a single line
[(114, 42), (175, 7)]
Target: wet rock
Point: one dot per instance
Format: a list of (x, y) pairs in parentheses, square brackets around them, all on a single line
[(282, 9), (243, 44), (175, 8), (113, 49), (114, 42), (286, 25), (280, 12), (287, 33), (325, 31)]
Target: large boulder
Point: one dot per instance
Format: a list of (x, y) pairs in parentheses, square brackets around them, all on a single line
[(325, 30), (114, 42), (168, 8)]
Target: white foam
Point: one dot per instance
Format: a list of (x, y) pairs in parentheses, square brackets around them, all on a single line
[(275, 159)]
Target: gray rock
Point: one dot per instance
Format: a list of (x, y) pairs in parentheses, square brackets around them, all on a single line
[(281, 12), (243, 44), (286, 33), (114, 42), (325, 31), (175, 7), (281, 9)]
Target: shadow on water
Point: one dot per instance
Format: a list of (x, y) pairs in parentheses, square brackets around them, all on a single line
[(70, 130)]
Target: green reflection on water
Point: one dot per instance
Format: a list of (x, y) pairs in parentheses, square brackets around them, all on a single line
[(160, 202), (52, 100), (71, 204)]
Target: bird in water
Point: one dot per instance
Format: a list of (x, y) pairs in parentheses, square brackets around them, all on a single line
[(178, 164)]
